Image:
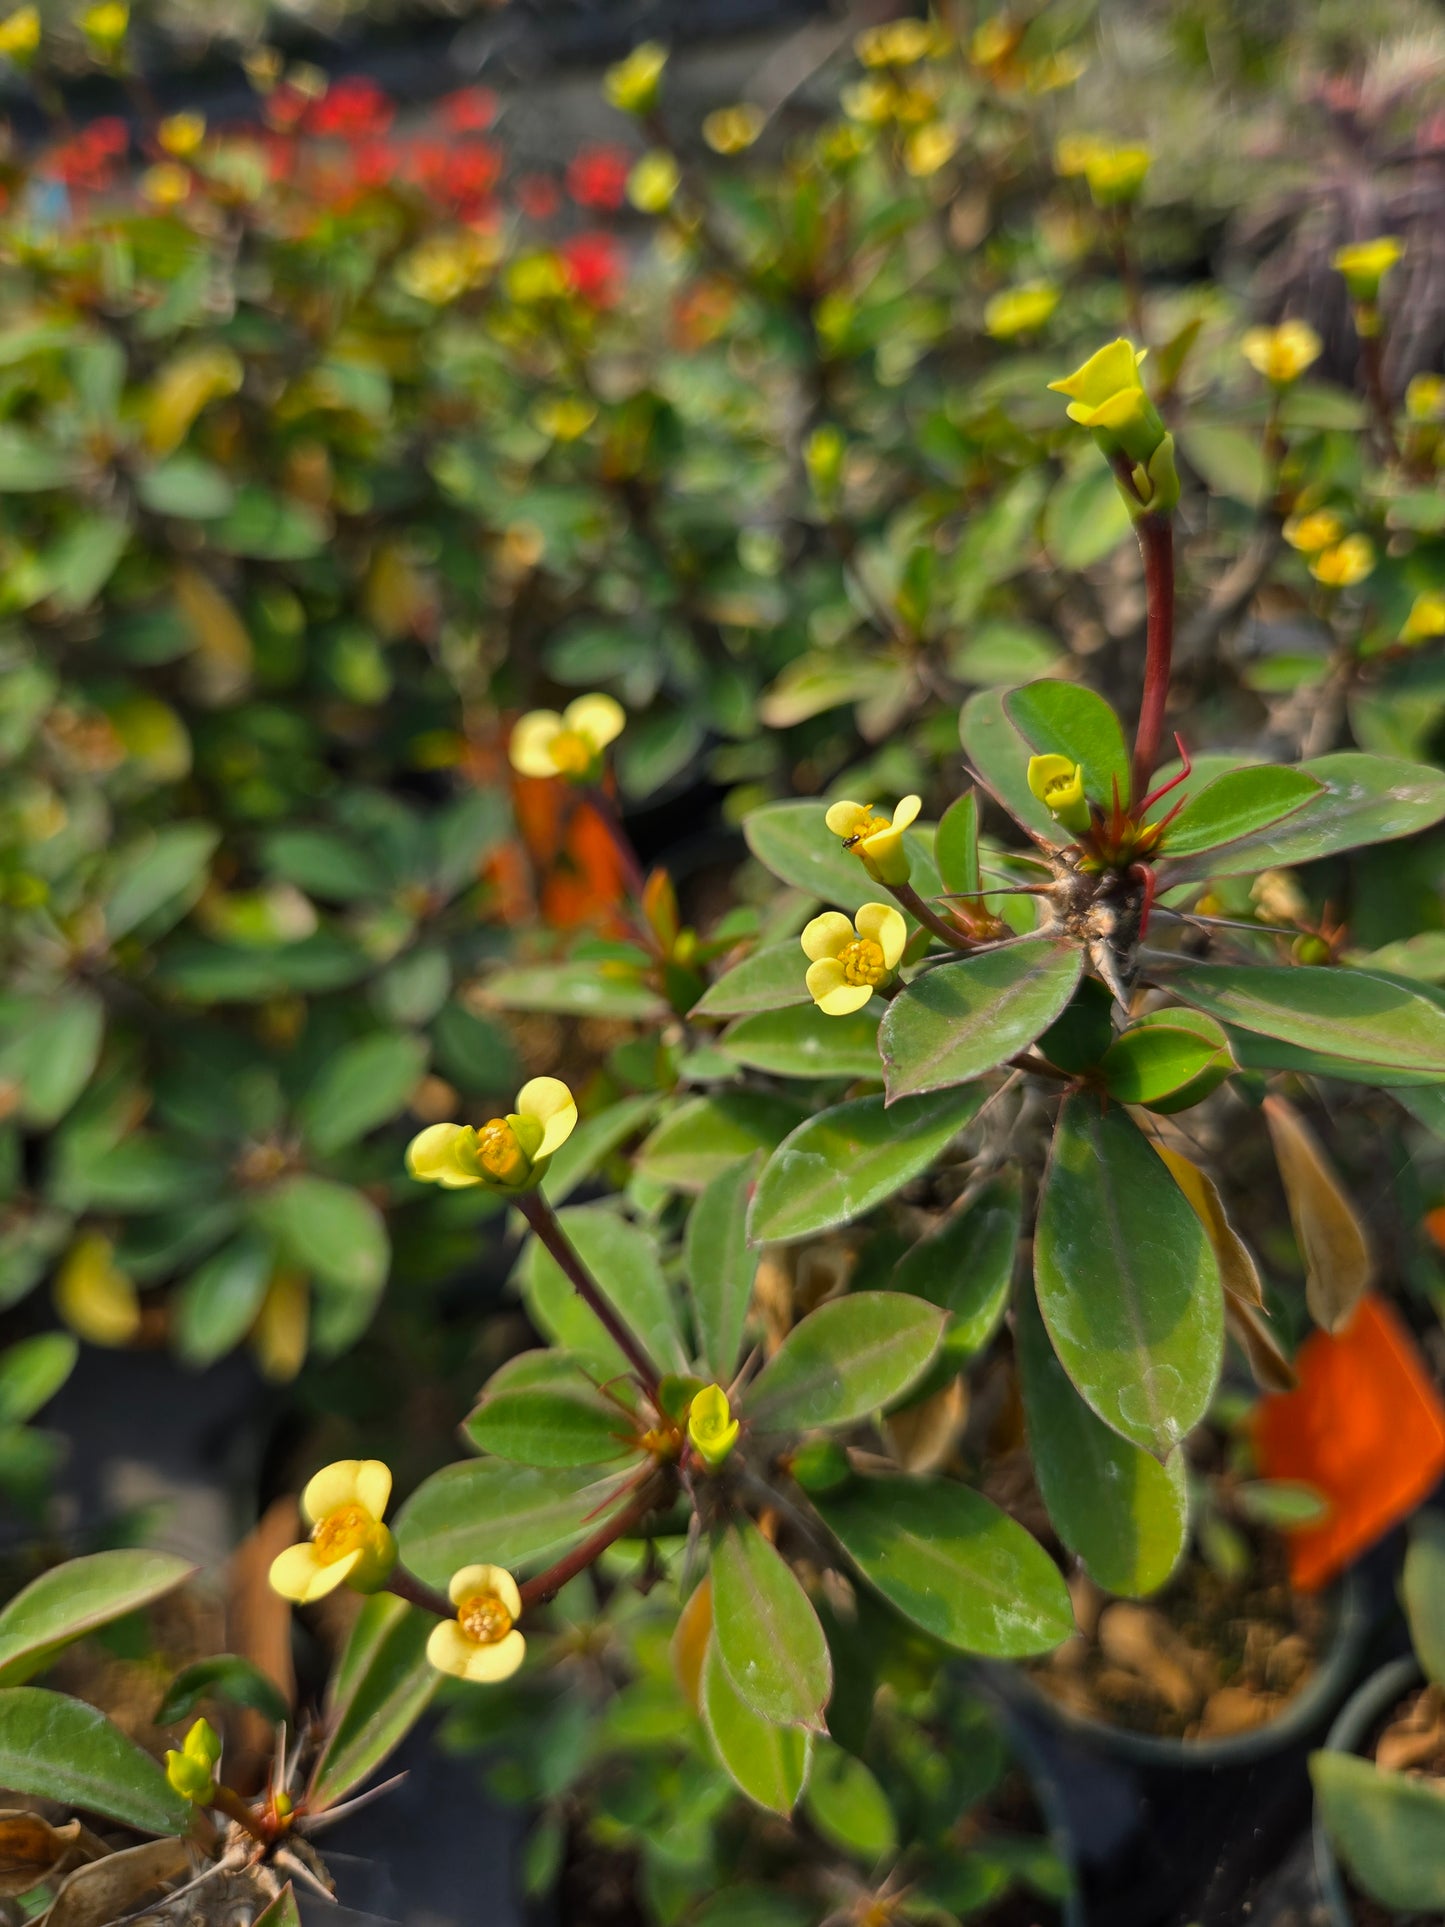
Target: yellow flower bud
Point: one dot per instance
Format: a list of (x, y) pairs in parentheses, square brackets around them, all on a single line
[(1364, 264), (93, 1295), (1058, 783), (870, 101), (192, 1770), (848, 961), (481, 1643), (634, 84), (1309, 533), (535, 278), (823, 457), (1425, 398), (1426, 618), (1107, 397), (730, 130), (1116, 174), (877, 841), (1281, 354), (181, 134), (105, 25), (653, 182), (20, 35), (166, 184), (1344, 565), (710, 1424), (930, 148), (1020, 311), (442, 267), (897, 43)]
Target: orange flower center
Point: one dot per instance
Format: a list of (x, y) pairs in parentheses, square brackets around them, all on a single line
[(340, 1532), (870, 826), (499, 1154), (572, 753), (484, 1618), (862, 962)]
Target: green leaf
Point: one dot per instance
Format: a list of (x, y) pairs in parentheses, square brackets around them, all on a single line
[(53, 1747), (951, 1562), (1066, 719), (224, 1676), (331, 1230), (1343, 1013), (848, 1807), (794, 842), (71, 573), (166, 867), (720, 1266), (1240, 803), (1127, 1281), (508, 1514), (959, 1019), (32, 1372), (806, 1043), (838, 1165), (73, 1599), (966, 1268), (1231, 460), (770, 979), (218, 1303), (1155, 1059), (1367, 799), (49, 1046), (572, 990), (323, 863), (1112, 1503), (144, 1172), (768, 1762), (593, 1143), (1000, 757), (766, 1632), (955, 847), (362, 1085), (845, 1361), (565, 1422), (623, 1260), (383, 1686), (282, 1912), (269, 528), (188, 487), (28, 464), (1085, 517), (1424, 1592), (704, 1136), (1388, 1828)]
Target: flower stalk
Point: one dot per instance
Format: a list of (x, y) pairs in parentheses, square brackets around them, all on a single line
[(543, 1220), (925, 914), (543, 1586), (1156, 546)]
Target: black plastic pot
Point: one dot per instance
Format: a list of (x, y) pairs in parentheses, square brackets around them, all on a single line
[(1367, 1705), (1170, 1833)]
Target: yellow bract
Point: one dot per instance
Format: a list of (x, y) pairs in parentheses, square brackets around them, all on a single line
[(105, 26), (481, 1643), (93, 1295), (443, 267), (1426, 618), (1319, 529), (876, 840), (20, 34), (633, 84), (343, 1504), (166, 184), (1364, 264), (1019, 311), (849, 960), (1283, 353), (192, 1770), (545, 743), (509, 1153), (1107, 397), (898, 43), (565, 418), (653, 182), (1347, 563), (732, 129), (1073, 152), (1115, 174), (1425, 398), (181, 134), (710, 1424), (930, 148), (1058, 783)]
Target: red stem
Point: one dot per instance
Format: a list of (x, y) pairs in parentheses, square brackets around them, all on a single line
[(546, 1585), (924, 913), (408, 1587), (1156, 545), (543, 1220), (235, 1808)]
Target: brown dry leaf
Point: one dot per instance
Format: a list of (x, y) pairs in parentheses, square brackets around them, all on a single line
[(1237, 1271), (923, 1435), (689, 1642), (107, 1890), (1337, 1259), (1271, 1369), (31, 1850), (223, 655), (773, 1294)]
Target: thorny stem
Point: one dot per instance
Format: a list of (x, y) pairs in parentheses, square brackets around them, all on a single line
[(543, 1220), (546, 1585), (924, 913), (408, 1587), (235, 1808), (1156, 546)]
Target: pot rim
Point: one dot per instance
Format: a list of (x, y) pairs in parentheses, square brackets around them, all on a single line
[(1369, 1700), (1308, 1708)]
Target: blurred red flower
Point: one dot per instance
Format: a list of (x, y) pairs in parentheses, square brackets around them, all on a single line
[(88, 159), (597, 176), (352, 109), (537, 196), (595, 268), (471, 110), (470, 174)]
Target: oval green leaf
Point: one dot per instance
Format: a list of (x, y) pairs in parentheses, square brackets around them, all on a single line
[(849, 1358), (721, 1266), (509, 1515), (563, 1423), (1341, 1013), (1000, 757), (767, 1762), (362, 1085), (1153, 1060), (1058, 718), (771, 979), (384, 1684), (1239, 803), (76, 1598), (53, 1747), (966, 1267), (1388, 1828), (960, 1019), (806, 1042), (704, 1136), (765, 1629), (794, 842)]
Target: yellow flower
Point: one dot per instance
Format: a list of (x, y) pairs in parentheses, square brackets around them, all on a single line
[(1426, 618), (181, 134), (898, 43), (824, 453), (1116, 174), (653, 182), (1073, 152), (192, 1770), (870, 101), (710, 1423), (1019, 311), (633, 85), (929, 148), (876, 840), (546, 744), (1364, 264), (343, 1504), (509, 1154), (166, 184), (565, 418), (20, 34), (1319, 529), (1107, 397), (534, 278), (848, 961), (1347, 563), (482, 1643), (1425, 398), (442, 267), (1281, 354), (1058, 783), (105, 25), (732, 129), (93, 1295)]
